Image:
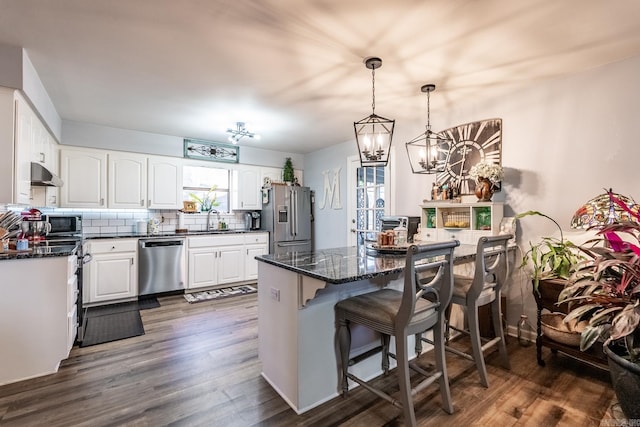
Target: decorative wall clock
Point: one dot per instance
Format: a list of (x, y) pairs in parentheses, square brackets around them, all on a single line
[(470, 144)]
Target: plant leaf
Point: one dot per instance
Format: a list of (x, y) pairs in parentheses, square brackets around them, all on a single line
[(590, 335)]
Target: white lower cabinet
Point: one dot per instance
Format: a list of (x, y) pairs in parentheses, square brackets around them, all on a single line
[(203, 268), (223, 259), (256, 244), (214, 259), (112, 273), (230, 264)]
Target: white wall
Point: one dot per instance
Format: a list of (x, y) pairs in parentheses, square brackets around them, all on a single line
[(564, 141), (330, 226), (17, 72)]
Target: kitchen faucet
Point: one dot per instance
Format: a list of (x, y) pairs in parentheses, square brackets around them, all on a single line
[(209, 227)]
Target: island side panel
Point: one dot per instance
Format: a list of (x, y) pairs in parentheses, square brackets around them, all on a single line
[(278, 329), (33, 317), (318, 377)]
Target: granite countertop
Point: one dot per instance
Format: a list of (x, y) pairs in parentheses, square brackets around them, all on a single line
[(349, 264), (125, 235), (39, 251)]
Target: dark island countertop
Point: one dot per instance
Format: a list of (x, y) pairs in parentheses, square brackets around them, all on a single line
[(349, 264)]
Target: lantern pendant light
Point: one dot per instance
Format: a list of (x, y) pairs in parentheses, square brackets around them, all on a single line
[(374, 133), (428, 151)]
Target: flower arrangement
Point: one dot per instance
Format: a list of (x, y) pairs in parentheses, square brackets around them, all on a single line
[(491, 171)]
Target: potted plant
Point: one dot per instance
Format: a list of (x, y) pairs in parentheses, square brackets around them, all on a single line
[(551, 257), (208, 201), (287, 171), (605, 291)]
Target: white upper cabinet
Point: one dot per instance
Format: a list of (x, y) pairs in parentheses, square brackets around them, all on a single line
[(127, 188), (84, 172), (164, 186), (96, 178), (249, 185), (23, 141)]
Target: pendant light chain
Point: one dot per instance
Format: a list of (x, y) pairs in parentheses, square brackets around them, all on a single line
[(373, 90), (428, 113)]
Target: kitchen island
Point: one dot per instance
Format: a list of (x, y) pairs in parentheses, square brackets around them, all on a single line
[(297, 292), (38, 313)]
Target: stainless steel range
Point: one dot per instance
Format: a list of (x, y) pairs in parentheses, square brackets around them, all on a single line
[(66, 232)]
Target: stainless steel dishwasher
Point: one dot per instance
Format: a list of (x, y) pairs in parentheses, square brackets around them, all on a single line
[(161, 265)]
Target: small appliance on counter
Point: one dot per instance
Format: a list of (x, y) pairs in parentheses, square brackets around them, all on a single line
[(252, 220), (34, 226), (410, 223)]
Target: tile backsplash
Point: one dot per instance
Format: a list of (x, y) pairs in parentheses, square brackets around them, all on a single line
[(125, 220)]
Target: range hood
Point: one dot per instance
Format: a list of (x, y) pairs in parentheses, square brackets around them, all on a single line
[(41, 176)]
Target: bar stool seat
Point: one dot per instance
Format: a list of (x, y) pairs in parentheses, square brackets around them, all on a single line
[(419, 307)]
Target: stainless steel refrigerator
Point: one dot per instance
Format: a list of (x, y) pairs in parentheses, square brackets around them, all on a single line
[(286, 215)]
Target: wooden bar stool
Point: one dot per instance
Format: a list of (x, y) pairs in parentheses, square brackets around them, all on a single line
[(418, 308), (485, 287)]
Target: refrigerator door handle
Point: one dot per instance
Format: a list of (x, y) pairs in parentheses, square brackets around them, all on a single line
[(295, 216)]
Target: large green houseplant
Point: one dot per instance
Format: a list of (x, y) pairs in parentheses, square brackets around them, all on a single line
[(605, 290), (550, 257)]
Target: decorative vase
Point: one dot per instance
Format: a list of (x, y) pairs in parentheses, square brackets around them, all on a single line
[(625, 376), (484, 189)]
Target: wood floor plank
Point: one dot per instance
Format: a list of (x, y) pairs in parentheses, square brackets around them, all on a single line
[(198, 365)]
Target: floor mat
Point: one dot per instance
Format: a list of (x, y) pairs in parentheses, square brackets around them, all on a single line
[(220, 293), (144, 303), (112, 327), (104, 310)]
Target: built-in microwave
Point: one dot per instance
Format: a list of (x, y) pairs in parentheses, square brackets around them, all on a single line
[(64, 224)]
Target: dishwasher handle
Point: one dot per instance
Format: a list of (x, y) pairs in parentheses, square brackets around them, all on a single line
[(160, 243)]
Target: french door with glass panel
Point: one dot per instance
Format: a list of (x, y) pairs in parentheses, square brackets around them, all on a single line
[(368, 201)]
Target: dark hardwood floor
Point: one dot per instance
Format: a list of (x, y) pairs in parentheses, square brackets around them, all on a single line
[(197, 365)]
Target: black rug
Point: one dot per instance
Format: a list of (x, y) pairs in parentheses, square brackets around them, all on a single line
[(114, 322), (112, 327)]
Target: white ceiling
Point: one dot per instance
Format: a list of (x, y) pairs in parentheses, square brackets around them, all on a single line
[(292, 69)]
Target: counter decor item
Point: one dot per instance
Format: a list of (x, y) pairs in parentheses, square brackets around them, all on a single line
[(487, 176), (189, 206), (606, 293)]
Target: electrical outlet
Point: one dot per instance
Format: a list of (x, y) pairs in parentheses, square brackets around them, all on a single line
[(275, 294)]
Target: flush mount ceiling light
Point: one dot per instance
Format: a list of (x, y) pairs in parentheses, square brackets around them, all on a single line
[(240, 132), (374, 133), (428, 151)]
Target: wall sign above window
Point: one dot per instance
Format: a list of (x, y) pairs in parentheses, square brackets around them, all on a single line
[(209, 150)]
